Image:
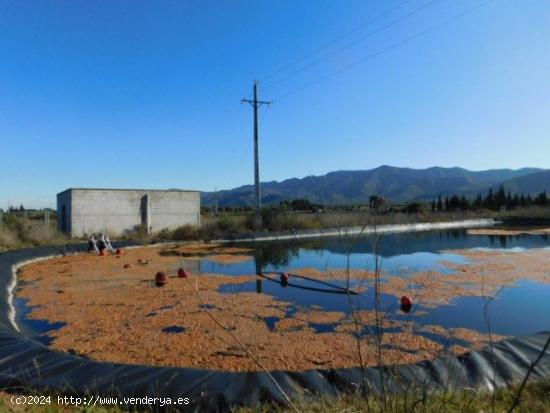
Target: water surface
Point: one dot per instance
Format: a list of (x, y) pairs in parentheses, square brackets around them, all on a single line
[(520, 309)]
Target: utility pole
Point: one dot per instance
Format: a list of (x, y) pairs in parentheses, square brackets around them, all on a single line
[(255, 103)]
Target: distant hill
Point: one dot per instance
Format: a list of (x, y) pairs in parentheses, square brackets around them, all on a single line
[(529, 184), (393, 183)]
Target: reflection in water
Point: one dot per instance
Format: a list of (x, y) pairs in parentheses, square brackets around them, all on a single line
[(173, 330), (36, 329), (282, 254), (259, 286), (401, 254), (258, 261)]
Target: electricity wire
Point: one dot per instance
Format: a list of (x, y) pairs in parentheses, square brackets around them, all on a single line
[(387, 49), (354, 43), (336, 40)]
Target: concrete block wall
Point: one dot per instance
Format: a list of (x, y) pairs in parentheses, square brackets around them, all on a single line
[(64, 212), (119, 211)]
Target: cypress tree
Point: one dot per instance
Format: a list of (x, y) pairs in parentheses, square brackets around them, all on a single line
[(478, 203), (464, 204), (501, 197)]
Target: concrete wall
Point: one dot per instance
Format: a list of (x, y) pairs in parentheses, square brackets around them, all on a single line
[(118, 211)]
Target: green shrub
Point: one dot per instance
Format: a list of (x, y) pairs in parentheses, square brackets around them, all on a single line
[(8, 239), (276, 219), (224, 227), (185, 232), (21, 231)]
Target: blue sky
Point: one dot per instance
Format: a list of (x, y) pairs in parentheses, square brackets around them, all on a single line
[(146, 94)]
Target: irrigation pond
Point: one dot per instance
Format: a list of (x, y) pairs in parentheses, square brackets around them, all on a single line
[(293, 305)]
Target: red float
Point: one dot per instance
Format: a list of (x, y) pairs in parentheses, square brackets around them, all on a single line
[(182, 273), (160, 279), (406, 304), (284, 279), (405, 300)]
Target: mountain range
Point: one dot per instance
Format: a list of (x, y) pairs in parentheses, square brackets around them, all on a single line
[(392, 183)]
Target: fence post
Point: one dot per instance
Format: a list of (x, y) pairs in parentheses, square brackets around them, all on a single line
[(47, 220)]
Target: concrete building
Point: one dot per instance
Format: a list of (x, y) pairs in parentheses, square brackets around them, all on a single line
[(115, 211)]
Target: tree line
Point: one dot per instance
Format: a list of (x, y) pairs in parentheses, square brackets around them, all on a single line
[(494, 200)]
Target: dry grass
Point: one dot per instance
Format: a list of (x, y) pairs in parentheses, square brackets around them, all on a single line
[(535, 399), (20, 232)]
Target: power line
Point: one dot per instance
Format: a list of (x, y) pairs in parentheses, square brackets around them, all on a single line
[(336, 40), (387, 49), (355, 42)]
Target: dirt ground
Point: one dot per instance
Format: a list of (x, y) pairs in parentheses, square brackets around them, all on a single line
[(114, 312)]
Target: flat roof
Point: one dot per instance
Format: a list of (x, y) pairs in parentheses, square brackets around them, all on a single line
[(128, 189)]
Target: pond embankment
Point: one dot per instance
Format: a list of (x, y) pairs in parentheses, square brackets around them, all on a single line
[(360, 230)]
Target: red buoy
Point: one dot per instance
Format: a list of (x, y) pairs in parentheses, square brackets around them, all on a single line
[(284, 279), (160, 279), (406, 304), (182, 273)]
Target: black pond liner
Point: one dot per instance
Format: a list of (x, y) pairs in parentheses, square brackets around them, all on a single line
[(27, 364)]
